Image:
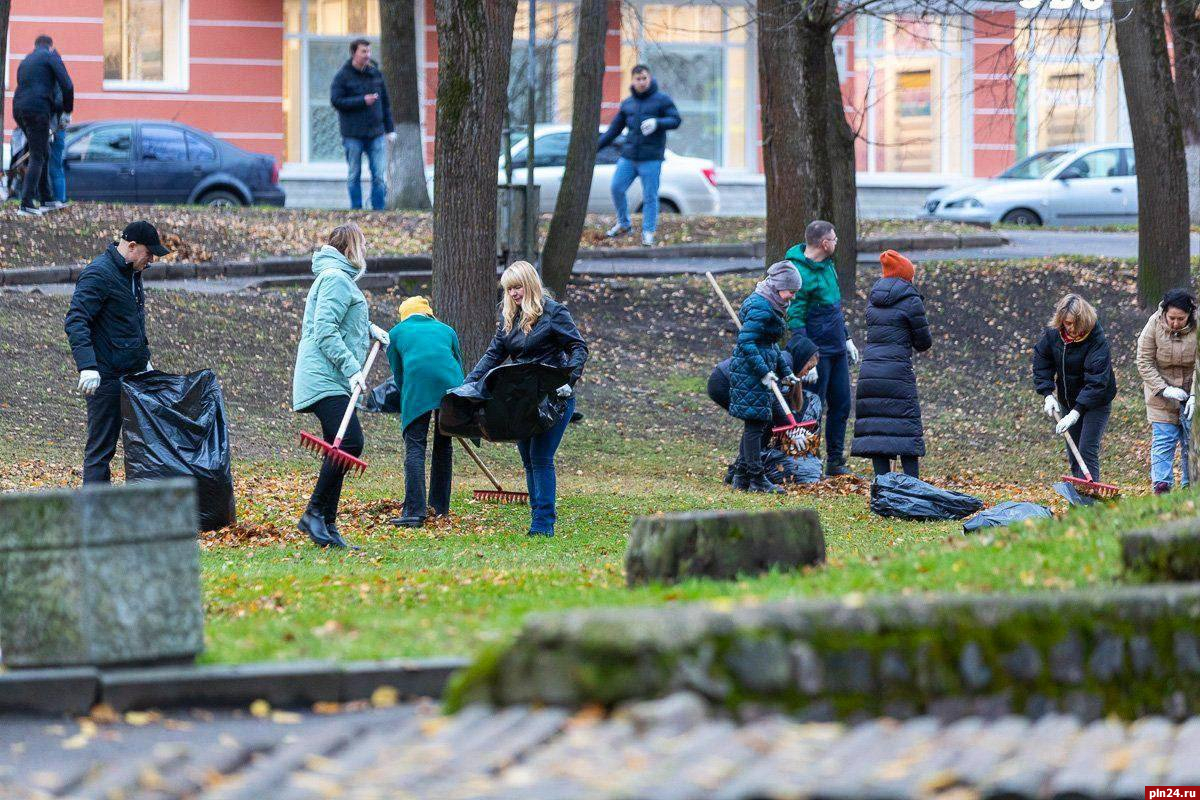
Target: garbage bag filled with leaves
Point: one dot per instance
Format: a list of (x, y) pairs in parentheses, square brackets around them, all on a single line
[(174, 426), (895, 494), (1005, 513), (781, 468)]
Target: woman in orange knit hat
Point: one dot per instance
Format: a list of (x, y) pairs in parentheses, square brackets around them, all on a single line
[(887, 408)]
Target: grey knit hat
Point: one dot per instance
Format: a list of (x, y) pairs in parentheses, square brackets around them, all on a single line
[(782, 276)]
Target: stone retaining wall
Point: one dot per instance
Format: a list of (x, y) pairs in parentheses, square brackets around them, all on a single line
[(1168, 552)]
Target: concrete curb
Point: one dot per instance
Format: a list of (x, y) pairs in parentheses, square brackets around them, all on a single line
[(870, 244), (74, 691)]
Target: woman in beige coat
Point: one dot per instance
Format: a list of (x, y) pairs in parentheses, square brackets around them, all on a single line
[(1166, 360)]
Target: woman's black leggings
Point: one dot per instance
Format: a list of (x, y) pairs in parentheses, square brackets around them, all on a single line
[(910, 464), (328, 491)]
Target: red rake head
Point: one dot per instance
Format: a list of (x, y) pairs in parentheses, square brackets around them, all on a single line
[(789, 435), (1092, 488), (494, 496), (335, 454)]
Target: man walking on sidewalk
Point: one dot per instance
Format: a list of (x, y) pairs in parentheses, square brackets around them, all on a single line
[(365, 120), (40, 74), (106, 326), (647, 114)]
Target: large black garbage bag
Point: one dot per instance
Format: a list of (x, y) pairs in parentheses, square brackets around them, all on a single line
[(510, 403), (1005, 513), (174, 425), (384, 398), (895, 494)]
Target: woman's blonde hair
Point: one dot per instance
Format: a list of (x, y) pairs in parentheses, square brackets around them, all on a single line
[(348, 240), (1072, 305), (522, 273)]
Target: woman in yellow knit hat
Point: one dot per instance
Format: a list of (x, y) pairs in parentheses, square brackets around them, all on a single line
[(426, 361)]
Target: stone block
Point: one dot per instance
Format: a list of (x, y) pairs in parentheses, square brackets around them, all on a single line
[(722, 544), (1168, 552), (100, 575)]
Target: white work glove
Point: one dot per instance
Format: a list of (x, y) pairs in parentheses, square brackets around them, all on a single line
[(852, 350), (359, 381), (380, 335), (1051, 407), (789, 380), (89, 382), (65, 119), (811, 376), (1189, 408), (564, 391), (1172, 393), (393, 136), (1066, 422), (769, 378), (149, 367), (649, 126)]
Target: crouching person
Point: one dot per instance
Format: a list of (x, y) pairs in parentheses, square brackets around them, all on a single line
[(426, 361), (757, 364)]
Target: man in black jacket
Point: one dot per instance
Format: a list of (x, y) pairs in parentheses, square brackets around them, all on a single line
[(365, 120), (40, 74), (106, 326)]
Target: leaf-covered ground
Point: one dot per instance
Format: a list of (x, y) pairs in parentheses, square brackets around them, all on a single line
[(75, 234), (651, 442)]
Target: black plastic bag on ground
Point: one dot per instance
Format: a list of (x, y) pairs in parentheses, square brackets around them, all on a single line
[(1003, 514), (895, 494), (174, 426)]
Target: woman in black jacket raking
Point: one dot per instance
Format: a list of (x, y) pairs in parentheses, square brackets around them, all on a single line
[(534, 327), (1072, 370)]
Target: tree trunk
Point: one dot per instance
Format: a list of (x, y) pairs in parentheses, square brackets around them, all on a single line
[(1154, 119), (406, 155), (794, 40), (845, 182), (570, 210), (1185, 34), (474, 47)]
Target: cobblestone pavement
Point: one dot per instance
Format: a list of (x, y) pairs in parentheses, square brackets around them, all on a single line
[(667, 750)]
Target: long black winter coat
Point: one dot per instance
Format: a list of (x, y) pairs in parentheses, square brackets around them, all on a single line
[(106, 323), (553, 340), (1080, 374), (634, 109), (356, 119), (887, 409)]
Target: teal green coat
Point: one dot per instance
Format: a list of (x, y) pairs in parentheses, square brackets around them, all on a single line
[(819, 287), (426, 361), (336, 333)]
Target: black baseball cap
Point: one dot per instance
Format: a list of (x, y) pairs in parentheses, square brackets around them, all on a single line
[(142, 232)]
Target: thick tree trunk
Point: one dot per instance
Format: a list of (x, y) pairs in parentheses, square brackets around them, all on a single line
[(794, 40), (406, 155), (845, 181), (474, 47), (1154, 119), (570, 210), (1185, 34)]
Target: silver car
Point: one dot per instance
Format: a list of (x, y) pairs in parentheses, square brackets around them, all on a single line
[(1070, 185)]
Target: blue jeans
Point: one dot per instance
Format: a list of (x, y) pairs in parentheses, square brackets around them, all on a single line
[(1166, 437), (58, 176), (537, 454), (376, 150), (622, 179)]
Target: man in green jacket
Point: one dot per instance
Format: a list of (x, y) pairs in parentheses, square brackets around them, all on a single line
[(816, 313), (426, 361)]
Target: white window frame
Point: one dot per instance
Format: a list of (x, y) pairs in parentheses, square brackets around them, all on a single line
[(185, 37)]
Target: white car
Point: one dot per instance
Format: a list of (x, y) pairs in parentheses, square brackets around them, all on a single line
[(1070, 185)]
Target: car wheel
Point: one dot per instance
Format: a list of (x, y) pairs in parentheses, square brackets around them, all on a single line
[(664, 207), (221, 199), (1021, 216)]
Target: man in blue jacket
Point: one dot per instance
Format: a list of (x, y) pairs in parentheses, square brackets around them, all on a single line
[(106, 326), (365, 120), (41, 73), (648, 114)]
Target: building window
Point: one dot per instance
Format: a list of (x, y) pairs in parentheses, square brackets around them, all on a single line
[(554, 63), (145, 44)]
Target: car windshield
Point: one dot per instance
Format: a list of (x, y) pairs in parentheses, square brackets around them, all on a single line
[(1036, 166)]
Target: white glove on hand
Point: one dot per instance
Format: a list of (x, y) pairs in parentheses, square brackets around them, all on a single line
[(1066, 422), (811, 376), (1171, 393), (1051, 407), (149, 367), (65, 119), (852, 350), (789, 380), (769, 378), (89, 382), (649, 126), (380, 335), (1189, 408), (564, 391), (359, 381), (393, 136)]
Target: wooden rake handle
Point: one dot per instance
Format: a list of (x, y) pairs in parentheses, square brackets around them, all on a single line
[(1075, 452), (479, 463), (337, 441)]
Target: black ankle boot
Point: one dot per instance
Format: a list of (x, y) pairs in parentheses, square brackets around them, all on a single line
[(759, 484), (313, 523), (335, 536)]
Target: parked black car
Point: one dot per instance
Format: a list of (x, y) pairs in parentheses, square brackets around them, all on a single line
[(153, 161)]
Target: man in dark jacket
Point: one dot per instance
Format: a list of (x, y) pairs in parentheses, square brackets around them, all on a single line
[(365, 120), (647, 114), (106, 326), (40, 74)]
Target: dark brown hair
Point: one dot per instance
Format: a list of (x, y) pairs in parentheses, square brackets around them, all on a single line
[(357, 43)]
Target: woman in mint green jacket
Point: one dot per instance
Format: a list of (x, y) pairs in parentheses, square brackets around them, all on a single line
[(329, 364)]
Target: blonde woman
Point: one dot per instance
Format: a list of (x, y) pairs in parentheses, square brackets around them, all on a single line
[(533, 327), (1166, 360), (1072, 370), (329, 362)]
